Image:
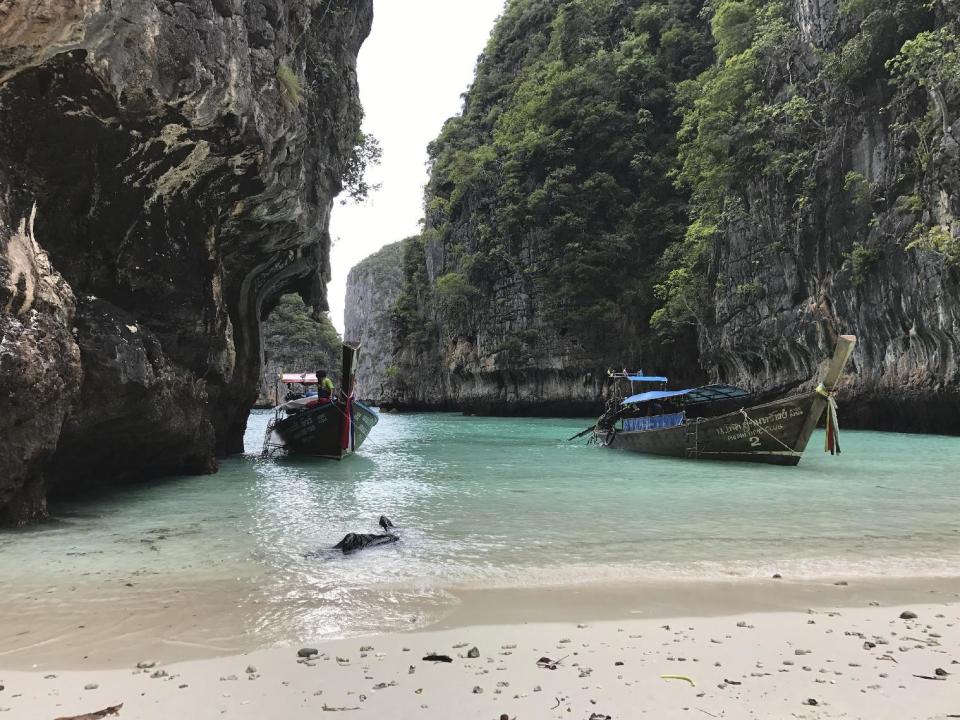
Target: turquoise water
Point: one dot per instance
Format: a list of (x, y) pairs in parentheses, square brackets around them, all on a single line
[(485, 502)]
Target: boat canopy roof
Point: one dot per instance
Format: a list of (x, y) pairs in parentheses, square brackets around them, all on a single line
[(707, 393), (647, 378), (302, 378)]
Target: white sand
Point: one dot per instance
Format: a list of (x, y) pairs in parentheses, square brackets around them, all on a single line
[(760, 650)]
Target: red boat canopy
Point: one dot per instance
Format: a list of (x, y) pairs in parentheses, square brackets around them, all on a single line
[(302, 378)]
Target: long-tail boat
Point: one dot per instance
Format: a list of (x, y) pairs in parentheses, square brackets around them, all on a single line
[(722, 422), (321, 427)]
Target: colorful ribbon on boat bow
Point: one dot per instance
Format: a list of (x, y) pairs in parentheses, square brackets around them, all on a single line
[(832, 442)]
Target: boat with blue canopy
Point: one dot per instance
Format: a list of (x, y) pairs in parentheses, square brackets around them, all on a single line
[(720, 422)]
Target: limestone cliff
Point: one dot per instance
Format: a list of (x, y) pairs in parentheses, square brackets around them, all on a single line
[(838, 208), (549, 202), (166, 172), (708, 190), (372, 289)]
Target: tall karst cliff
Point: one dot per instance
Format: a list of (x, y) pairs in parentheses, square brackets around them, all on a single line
[(822, 152), (373, 286), (705, 189), (549, 202), (166, 172)]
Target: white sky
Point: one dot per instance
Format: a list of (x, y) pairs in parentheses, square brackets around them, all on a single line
[(419, 58)]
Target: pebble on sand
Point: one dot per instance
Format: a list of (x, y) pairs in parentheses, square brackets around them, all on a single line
[(307, 652), (908, 615), (473, 652), (90, 686), (146, 664)]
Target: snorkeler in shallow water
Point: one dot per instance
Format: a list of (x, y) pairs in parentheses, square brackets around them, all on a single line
[(358, 541)]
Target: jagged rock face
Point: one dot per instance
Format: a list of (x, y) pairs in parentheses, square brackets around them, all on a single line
[(548, 206), (177, 163), (39, 365), (372, 289), (903, 304)]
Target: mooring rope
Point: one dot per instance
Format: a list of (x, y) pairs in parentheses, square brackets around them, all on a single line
[(831, 443)]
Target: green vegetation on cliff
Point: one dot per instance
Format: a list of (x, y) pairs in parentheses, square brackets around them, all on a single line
[(773, 114), (295, 340), (556, 182), (714, 185)]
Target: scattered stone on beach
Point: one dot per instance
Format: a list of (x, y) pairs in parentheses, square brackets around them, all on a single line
[(473, 652), (908, 615), (90, 686), (798, 651), (811, 701), (477, 690), (411, 670), (307, 652), (867, 645), (225, 678), (537, 688), (385, 685), (251, 669), (146, 664), (841, 583), (366, 648), (618, 663), (159, 674), (777, 576)]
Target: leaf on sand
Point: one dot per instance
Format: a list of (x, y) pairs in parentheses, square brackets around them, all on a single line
[(112, 710), (678, 677)]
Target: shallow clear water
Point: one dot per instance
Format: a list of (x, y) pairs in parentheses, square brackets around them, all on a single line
[(487, 502)]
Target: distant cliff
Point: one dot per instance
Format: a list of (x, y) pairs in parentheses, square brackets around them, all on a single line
[(372, 289), (167, 172), (713, 191), (296, 340)]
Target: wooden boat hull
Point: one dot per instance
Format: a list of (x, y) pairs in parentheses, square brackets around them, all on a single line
[(775, 433), (319, 431)]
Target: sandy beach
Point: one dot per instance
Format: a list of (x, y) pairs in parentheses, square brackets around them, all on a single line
[(844, 656)]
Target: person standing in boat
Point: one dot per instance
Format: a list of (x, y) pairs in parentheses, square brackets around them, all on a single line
[(324, 385)]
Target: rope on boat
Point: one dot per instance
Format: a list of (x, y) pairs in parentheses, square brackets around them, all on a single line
[(763, 429), (831, 443)]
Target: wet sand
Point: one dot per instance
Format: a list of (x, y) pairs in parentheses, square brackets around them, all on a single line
[(854, 663), (760, 649)]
